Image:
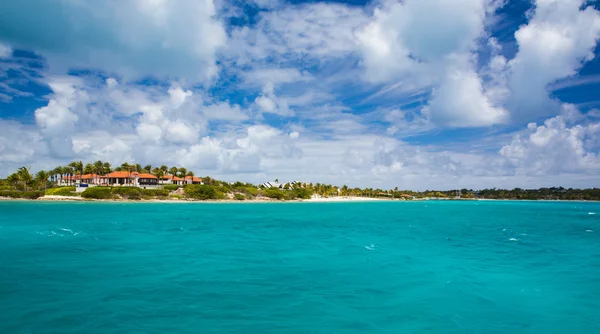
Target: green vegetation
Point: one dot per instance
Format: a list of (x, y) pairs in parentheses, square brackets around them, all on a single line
[(274, 193), (200, 191), (127, 192), (301, 193), (62, 191), (155, 192), (97, 193), (24, 184), (21, 194)]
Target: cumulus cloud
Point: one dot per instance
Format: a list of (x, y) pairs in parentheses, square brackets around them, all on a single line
[(559, 38), (432, 43), (5, 50), (267, 102), (555, 147), (168, 39)]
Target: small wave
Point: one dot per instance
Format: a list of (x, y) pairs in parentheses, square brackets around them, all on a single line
[(371, 247), (589, 231), (513, 239), (66, 230), (591, 213)]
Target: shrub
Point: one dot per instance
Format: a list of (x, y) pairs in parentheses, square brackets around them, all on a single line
[(200, 191), (97, 193), (301, 193), (62, 191), (170, 187), (4, 188), (21, 194), (273, 193), (155, 192), (239, 197), (127, 192)]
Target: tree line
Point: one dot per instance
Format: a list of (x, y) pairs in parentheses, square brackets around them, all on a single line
[(24, 180)]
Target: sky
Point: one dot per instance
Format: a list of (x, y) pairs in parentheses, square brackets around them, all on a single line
[(414, 94)]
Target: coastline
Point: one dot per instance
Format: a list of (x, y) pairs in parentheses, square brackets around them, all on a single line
[(58, 198), (340, 199)]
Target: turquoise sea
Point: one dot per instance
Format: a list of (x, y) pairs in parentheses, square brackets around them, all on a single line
[(383, 267)]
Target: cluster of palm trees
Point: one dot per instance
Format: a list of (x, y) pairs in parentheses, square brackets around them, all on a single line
[(67, 174), (27, 181)]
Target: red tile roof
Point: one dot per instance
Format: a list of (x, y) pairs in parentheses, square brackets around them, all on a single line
[(177, 178), (146, 176), (195, 179), (120, 175)]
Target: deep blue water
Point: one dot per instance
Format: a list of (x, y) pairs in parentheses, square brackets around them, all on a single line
[(422, 267)]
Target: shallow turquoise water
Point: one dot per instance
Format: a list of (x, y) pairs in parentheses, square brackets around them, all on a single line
[(423, 267)]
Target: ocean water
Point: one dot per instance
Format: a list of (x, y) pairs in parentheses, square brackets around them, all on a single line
[(384, 267)]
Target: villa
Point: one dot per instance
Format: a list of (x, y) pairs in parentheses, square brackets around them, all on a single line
[(124, 178), (170, 179)]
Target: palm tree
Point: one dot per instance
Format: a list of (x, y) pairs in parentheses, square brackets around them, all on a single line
[(89, 169), (78, 167), (106, 168), (148, 168), (173, 171), (164, 168), (191, 175), (158, 173), (69, 172), (128, 168), (24, 176), (13, 179), (138, 168), (42, 178), (98, 169)]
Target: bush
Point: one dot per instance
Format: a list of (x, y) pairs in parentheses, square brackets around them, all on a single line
[(5, 188), (200, 191), (239, 197), (155, 192), (97, 193), (128, 192), (301, 193), (62, 191), (21, 194), (170, 187), (273, 193)]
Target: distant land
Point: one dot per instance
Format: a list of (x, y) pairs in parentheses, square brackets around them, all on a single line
[(100, 181)]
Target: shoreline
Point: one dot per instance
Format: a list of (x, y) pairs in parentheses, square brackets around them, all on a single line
[(340, 199)]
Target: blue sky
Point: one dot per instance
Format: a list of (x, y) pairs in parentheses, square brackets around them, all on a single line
[(411, 94)]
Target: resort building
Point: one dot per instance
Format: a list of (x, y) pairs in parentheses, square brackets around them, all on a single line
[(193, 180), (170, 179), (134, 179)]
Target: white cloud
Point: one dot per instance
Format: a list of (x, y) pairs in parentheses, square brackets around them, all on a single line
[(5, 50), (555, 43), (179, 132), (267, 102), (178, 96), (462, 102), (177, 38), (555, 148), (225, 111)]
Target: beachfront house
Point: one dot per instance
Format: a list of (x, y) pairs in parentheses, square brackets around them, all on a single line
[(134, 179), (272, 185), (193, 180)]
